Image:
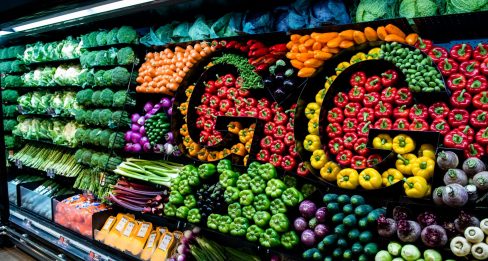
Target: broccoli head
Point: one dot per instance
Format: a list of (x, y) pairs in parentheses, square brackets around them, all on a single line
[(88, 116), (95, 136), (92, 37), (12, 81), (10, 95), (113, 162), (79, 155), (9, 110), (127, 35), (107, 78), (120, 99), (106, 98), (80, 134), (126, 56), (9, 125), (112, 36), (104, 139), (10, 142), (80, 116), (102, 38), (117, 140), (86, 78), (103, 160), (85, 41), (120, 76), (120, 119), (102, 58), (105, 117), (99, 78), (94, 159), (86, 158), (96, 98), (84, 97), (94, 120), (88, 59)]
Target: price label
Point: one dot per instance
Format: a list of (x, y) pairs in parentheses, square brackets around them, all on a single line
[(165, 242), (51, 173), (108, 223), (92, 256), (150, 241), (18, 164), (143, 230), (121, 224), (63, 241), (128, 229)]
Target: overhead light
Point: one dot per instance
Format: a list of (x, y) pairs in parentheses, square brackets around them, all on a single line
[(5, 33), (81, 13)]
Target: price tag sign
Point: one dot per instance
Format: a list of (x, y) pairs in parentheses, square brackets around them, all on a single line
[(18, 164), (92, 256), (51, 173), (63, 241), (103, 176)]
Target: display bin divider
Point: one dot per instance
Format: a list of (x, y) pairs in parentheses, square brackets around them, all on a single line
[(27, 193)]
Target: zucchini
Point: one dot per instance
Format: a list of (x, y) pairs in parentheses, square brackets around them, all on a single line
[(342, 242), (365, 237), (348, 209), (344, 199), (321, 246), (363, 257), (347, 255), (371, 249), (308, 254), (363, 210), (333, 207), (357, 248), (328, 258), (375, 214), (337, 218), (353, 234), (350, 220), (340, 230), (330, 240), (363, 222), (357, 200), (328, 198)]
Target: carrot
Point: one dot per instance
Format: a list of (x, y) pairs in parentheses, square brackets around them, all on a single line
[(321, 55), (306, 72), (294, 49), (291, 55), (370, 34), (331, 50), (325, 37), (347, 35), (313, 63), (411, 39), (392, 29), (317, 46), (304, 38), (309, 42), (302, 48), (289, 45), (295, 38), (297, 64), (394, 38), (334, 43), (359, 37), (381, 31), (346, 44), (172, 86), (302, 57)]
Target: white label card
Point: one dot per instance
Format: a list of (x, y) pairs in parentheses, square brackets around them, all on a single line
[(143, 230), (121, 224), (150, 241), (108, 223), (128, 229), (165, 242)]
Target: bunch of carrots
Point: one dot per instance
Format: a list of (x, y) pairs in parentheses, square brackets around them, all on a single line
[(162, 72), (308, 52)]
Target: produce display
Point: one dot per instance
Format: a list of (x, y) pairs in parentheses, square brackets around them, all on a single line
[(60, 132), (95, 159), (110, 57), (67, 49), (120, 35), (57, 103), (157, 172)]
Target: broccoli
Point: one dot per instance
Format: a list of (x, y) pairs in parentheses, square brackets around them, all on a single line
[(96, 98), (112, 36), (84, 97), (92, 38), (117, 140), (17, 66), (3, 53), (80, 116), (5, 67), (120, 119), (86, 78), (94, 159), (12, 81), (104, 139), (10, 96), (9, 125), (102, 58), (79, 155), (88, 59), (107, 78), (103, 160), (120, 76), (10, 142), (102, 38), (94, 117), (112, 56), (88, 116), (127, 35), (12, 51), (119, 99), (105, 117), (113, 162), (126, 56), (80, 134), (106, 98), (86, 158), (9, 110), (94, 136), (85, 40), (99, 78)]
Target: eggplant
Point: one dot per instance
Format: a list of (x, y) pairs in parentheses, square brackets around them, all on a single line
[(455, 176), (447, 160), (472, 166), (434, 236), (480, 180), (455, 195)]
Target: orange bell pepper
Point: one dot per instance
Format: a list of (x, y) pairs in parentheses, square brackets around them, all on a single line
[(234, 127), (239, 149)]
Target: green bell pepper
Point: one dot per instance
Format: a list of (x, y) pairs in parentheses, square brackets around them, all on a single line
[(213, 221), (169, 210), (289, 240), (224, 224), (224, 164), (269, 238), (243, 182), (258, 185), (275, 188), (182, 212), (239, 226), (246, 197), (231, 194), (253, 169), (193, 178), (190, 201), (277, 206), (261, 218), (184, 187), (261, 202), (175, 198), (307, 190), (279, 222), (267, 171), (189, 168), (194, 215), (253, 233), (234, 210), (292, 197), (206, 170), (248, 212), (228, 178), (174, 183), (290, 181)]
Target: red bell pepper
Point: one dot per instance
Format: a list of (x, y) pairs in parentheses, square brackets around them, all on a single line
[(277, 146), (289, 139), (214, 102), (252, 112), (275, 160), (373, 84), (388, 95), (480, 52), (278, 48), (424, 45), (371, 99), (225, 105), (358, 162), (205, 100), (358, 79), (349, 140), (263, 103), (448, 66), (279, 132), (288, 163), (383, 110), (468, 131), (356, 94), (290, 126), (478, 119), (333, 130), (403, 97), (242, 92), (456, 139), (200, 122), (222, 92), (344, 158), (366, 114), (251, 102), (350, 125), (231, 112), (266, 142), (458, 117), (209, 125), (373, 160), (474, 150), (265, 114), (418, 111), (335, 115), (482, 136), (383, 123), (204, 135), (438, 110), (302, 170), (401, 124), (456, 82), (292, 150), (480, 100), (389, 78), (363, 129), (210, 87), (469, 68), (461, 99), (352, 109), (240, 102), (419, 125), (341, 99), (263, 155), (438, 53), (461, 52), (401, 112), (484, 67), (280, 118), (360, 146), (336, 145), (269, 128), (477, 84), (440, 125)]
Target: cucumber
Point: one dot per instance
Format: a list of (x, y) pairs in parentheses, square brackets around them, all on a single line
[(348, 209), (340, 230), (375, 214), (363, 210), (357, 248), (363, 222), (350, 220), (333, 207), (363, 257), (337, 218), (337, 253), (321, 246), (357, 200), (328, 258), (365, 237), (353, 234), (371, 249), (328, 198), (344, 199), (342, 242), (330, 240), (308, 254), (347, 255)]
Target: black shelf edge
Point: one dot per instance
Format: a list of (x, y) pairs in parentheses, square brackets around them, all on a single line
[(53, 62)]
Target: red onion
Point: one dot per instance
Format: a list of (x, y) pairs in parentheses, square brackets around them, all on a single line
[(148, 106), (128, 136), (136, 147), (321, 231), (321, 214), (307, 208), (308, 238), (135, 117), (135, 127), (165, 102), (135, 137), (141, 120), (300, 224), (152, 112), (128, 147), (146, 147), (144, 140), (142, 130)]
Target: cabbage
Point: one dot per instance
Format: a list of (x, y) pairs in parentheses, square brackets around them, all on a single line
[(370, 10), (417, 8), (464, 6)]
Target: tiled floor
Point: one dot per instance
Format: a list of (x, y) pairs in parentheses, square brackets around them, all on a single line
[(14, 254)]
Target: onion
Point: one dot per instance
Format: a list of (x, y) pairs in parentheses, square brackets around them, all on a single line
[(143, 140), (152, 112), (165, 103), (135, 127), (148, 106), (170, 111), (128, 147), (157, 106), (128, 136), (169, 137), (146, 147), (181, 258), (168, 148), (321, 214), (142, 130), (135, 137), (188, 234), (141, 120), (196, 230), (135, 117), (136, 147), (308, 238), (182, 249), (321, 231)]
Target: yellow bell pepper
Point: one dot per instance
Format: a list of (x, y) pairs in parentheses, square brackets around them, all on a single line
[(427, 150), (202, 154), (358, 57), (391, 176), (329, 171), (383, 141), (319, 97), (403, 144), (184, 130), (329, 81), (318, 159), (370, 179), (312, 143), (416, 187), (244, 136), (313, 126), (246, 158), (424, 167), (312, 110), (374, 53), (348, 179), (341, 67), (404, 163)]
